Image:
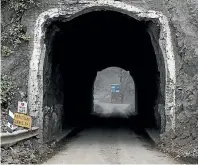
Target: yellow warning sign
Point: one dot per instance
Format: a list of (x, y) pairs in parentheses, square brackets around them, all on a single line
[(22, 120)]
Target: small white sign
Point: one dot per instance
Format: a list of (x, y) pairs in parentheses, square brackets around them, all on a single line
[(22, 107)]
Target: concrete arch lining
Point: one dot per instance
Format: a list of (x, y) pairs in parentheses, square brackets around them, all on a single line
[(35, 83)]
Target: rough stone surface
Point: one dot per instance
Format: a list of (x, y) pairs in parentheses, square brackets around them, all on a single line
[(184, 140), (52, 121), (52, 94), (4, 117), (25, 152)]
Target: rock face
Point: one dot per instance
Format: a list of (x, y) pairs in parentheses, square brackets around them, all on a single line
[(183, 16), (184, 20), (27, 152)]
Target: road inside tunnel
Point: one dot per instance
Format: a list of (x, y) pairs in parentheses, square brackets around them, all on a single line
[(109, 146), (79, 48)]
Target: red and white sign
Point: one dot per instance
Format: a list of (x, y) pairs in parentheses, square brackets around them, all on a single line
[(22, 107)]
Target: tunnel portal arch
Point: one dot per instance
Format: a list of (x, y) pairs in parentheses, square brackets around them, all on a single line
[(35, 82), (103, 92)]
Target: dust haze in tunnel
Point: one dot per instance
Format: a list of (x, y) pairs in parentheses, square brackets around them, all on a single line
[(97, 40), (120, 104)]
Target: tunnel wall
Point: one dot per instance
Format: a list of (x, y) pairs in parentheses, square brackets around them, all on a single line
[(53, 96), (159, 112), (35, 82)]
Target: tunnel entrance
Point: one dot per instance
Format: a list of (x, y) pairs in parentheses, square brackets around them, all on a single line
[(71, 45), (77, 49), (114, 93)]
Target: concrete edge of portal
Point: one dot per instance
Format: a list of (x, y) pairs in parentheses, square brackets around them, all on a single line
[(9, 139), (153, 134), (65, 136)]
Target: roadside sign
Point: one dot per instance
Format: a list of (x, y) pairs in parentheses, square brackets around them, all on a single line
[(115, 93), (115, 88), (22, 107), (22, 120)]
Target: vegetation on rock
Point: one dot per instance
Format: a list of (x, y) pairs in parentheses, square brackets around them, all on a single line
[(14, 32), (6, 87)]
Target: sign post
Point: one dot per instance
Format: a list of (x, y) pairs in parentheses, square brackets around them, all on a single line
[(22, 107), (22, 120), (115, 93)]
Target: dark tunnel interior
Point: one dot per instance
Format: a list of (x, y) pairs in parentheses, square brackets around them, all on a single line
[(92, 42)]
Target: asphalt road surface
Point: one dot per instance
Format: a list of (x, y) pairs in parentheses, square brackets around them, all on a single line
[(109, 145)]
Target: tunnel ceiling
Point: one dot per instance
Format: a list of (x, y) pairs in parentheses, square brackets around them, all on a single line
[(106, 38), (97, 40)]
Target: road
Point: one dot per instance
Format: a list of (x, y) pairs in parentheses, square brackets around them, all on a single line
[(109, 109), (109, 145)]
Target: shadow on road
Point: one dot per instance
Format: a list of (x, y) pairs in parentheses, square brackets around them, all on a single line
[(110, 123)]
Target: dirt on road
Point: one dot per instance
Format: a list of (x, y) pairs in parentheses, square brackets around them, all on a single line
[(109, 145)]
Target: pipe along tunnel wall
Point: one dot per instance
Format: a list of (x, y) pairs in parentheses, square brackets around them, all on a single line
[(76, 50)]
